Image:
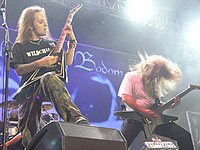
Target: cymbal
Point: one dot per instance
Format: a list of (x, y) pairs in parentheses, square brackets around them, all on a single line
[(11, 105), (46, 107)]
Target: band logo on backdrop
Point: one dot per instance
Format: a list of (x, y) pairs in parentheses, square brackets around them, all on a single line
[(88, 63)]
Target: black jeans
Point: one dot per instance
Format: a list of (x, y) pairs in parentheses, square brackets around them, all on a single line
[(130, 130)]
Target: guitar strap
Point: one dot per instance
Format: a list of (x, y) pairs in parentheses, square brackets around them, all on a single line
[(155, 97), (157, 100), (122, 106)]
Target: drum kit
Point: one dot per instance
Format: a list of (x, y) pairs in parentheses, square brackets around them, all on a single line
[(12, 123), (13, 116), (47, 117)]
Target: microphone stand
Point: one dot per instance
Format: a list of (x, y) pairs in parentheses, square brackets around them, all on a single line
[(8, 55)]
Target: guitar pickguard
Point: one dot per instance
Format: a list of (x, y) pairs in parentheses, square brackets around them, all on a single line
[(58, 68)]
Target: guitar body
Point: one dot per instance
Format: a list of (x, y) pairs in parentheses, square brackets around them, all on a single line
[(162, 119), (58, 69), (148, 125)]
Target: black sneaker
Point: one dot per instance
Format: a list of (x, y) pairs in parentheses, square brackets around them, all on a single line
[(82, 121)]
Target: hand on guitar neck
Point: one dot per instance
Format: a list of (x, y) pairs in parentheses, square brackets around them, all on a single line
[(150, 114), (177, 101), (70, 32)]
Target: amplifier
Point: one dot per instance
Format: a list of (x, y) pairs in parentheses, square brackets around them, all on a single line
[(67, 136), (166, 145)]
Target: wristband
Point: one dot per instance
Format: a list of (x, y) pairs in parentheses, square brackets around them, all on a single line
[(72, 43)]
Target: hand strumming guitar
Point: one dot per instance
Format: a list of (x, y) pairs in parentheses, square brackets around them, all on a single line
[(47, 61)]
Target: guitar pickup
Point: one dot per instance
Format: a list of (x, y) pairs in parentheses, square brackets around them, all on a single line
[(59, 56), (57, 66)]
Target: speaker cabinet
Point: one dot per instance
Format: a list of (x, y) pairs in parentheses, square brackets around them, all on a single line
[(67, 136)]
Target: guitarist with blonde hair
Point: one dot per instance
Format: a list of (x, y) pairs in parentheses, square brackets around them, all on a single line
[(41, 63), (153, 77)]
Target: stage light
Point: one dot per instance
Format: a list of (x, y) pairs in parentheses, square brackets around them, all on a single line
[(139, 10), (193, 35)]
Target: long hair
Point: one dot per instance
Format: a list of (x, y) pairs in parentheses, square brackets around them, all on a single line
[(159, 74), (26, 20)]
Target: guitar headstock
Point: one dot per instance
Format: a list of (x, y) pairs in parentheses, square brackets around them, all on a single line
[(74, 10), (194, 86)]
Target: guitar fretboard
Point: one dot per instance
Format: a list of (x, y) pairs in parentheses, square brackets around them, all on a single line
[(171, 101), (64, 31)]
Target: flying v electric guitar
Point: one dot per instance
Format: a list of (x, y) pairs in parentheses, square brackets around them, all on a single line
[(150, 124), (59, 67)]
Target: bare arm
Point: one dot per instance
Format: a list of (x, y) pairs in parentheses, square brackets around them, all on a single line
[(17, 138), (131, 102), (14, 140), (71, 45), (177, 101), (43, 62), (70, 56)]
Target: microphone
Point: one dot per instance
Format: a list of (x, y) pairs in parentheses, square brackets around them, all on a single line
[(3, 13), (3, 4), (3, 7)]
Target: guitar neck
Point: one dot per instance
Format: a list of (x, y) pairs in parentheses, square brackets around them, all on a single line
[(60, 42), (63, 35), (171, 101)]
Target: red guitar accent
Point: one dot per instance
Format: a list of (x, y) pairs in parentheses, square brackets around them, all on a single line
[(58, 68)]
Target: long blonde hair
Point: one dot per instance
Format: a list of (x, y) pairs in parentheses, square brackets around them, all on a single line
[(26, 20), (159, 74)]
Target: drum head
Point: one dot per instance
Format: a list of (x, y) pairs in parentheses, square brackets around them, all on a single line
[(13, 116), (12, 130)]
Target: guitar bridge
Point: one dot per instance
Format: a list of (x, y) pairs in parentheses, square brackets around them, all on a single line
[(147, 121), (57, 66)]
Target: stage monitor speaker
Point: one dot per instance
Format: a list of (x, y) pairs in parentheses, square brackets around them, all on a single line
[(67, 136)]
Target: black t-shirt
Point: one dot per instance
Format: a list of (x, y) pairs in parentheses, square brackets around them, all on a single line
[(29, 52)]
